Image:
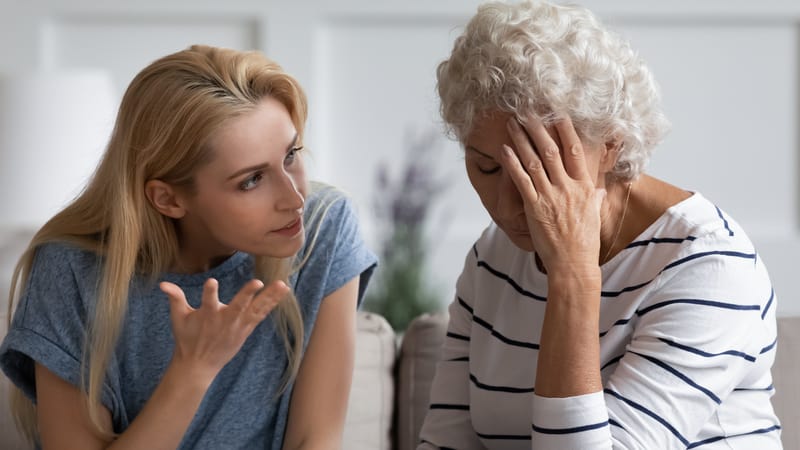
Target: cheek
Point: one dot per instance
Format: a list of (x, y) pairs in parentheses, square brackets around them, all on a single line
[(484, 186), (298, 175)]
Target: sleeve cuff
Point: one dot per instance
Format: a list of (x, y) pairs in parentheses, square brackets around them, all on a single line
[(569, 412)]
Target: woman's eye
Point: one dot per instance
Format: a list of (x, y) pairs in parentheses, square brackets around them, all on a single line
[(290, 156), (488, 171), (251, 182)]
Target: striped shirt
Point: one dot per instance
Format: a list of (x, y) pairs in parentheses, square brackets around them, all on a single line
[(687, 339)]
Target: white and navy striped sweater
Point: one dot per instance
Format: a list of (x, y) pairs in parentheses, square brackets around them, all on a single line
[(686, 344)]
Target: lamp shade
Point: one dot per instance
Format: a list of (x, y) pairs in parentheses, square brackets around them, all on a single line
[(54, 127)]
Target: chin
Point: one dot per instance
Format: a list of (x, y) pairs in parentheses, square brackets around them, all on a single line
[(286, 250), (522, 241)]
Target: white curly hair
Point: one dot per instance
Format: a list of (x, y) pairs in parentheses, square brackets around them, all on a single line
[(550, 60)]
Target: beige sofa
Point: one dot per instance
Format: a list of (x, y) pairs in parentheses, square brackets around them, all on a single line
[(389, 396)]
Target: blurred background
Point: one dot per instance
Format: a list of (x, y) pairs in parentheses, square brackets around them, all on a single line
[(728, 71)]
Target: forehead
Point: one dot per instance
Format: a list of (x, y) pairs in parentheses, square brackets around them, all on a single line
[(489, 132), (267, 117), (489, 124), (267, 128)]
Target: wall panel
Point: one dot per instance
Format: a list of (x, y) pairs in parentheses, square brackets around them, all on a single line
[(124, 44)]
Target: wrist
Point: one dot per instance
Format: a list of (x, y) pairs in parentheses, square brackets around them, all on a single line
[(575, 282), (588, 275), (189, 376)]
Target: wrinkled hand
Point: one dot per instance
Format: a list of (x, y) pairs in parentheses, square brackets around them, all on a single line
[(208, 337), (561, 201)]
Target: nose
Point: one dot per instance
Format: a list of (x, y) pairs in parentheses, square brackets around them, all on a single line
[(508, 205), (289, 197)]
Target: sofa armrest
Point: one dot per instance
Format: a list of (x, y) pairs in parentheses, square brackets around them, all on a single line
[(785, 374)]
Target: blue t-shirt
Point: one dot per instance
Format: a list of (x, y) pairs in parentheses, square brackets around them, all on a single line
[(240, 409)]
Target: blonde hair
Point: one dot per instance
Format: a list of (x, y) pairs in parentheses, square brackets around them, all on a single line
[(165, 121), (543, 59)]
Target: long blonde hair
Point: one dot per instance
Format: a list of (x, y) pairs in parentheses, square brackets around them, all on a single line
[(162, 131)]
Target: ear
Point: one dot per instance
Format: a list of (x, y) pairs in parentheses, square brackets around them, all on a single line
[(164, 199), (610, 155)]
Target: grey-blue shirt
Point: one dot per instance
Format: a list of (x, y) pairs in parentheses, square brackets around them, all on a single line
[(241, 409)]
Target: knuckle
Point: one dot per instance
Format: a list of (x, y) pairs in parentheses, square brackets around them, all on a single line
[(576, 149), (262, 308), (534, 166), (550, 151)]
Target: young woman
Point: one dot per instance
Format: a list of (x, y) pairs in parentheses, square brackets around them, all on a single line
[(602, 307), (199, 293)]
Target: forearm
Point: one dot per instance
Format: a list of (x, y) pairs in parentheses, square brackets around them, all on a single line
[(569, 352), (166, 416)]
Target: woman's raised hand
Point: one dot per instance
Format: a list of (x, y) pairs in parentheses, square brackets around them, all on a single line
[(208, 337), (561, 201)]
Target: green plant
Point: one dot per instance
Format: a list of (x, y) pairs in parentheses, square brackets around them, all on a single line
[(402, 205)]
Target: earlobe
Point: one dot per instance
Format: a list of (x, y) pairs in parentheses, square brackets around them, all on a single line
[(164, 199)]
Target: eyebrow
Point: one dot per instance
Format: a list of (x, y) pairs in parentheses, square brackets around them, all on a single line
[(473, 149), (264, 165)]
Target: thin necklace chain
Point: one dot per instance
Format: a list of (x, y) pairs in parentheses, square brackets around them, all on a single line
[(619, 227)]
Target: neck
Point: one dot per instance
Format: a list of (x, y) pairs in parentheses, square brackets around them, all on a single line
[(613, 218), (198, 259)]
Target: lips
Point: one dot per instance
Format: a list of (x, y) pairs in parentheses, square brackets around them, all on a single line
[(292, 228), (289, 225)]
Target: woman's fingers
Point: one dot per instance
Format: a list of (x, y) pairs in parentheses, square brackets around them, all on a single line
[(210, 294), (574, 158), (245, 296), (267, 299), (534, 140), (178, 306), (254, 301), (523, 179), (211, 335)]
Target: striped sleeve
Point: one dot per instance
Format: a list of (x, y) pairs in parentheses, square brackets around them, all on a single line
[(563, 422), (447, 424), (700, 333)]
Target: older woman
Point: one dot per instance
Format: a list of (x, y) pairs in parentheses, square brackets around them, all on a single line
[(602, 307)]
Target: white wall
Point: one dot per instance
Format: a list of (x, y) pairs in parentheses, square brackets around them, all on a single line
[(728, 70)]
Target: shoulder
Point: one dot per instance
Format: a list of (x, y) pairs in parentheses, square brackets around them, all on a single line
[(714, 241), (702, 218), (328, 205), (715, 260), (334, 251), (332, 225), (58, 292), (60, 257), (693, 226), (64, 271)]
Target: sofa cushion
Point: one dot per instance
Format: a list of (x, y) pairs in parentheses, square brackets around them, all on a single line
[(419, 354), (369, 411)]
